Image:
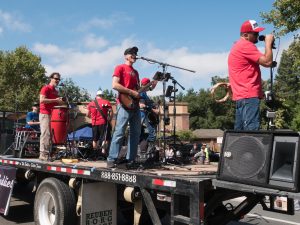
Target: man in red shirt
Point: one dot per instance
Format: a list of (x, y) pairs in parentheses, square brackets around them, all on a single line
[(126, 81), (48, 99), (100, 122), (245, 76)]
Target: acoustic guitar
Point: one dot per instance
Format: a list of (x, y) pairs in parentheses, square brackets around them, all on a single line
[(129, 102)]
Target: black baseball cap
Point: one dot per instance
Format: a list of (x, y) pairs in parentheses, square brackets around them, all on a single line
[(131, 51)]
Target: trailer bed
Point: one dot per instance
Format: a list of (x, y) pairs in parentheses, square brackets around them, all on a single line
[(96, 170)]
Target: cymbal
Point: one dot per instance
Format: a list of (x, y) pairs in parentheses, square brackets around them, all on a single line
[(16, 116)]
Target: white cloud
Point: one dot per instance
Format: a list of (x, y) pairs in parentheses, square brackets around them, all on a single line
[(85, 64), (104, 23), (93, 42), (11, 22), (205, 65), (72, 62)]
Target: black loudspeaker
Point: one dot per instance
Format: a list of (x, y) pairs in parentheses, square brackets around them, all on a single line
[(262, 158), (284, 171)]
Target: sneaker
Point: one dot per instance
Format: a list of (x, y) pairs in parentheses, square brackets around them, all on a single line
[(111, 164), (131, 165), (43, 157)]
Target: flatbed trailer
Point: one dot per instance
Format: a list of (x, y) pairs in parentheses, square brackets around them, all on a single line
[(90, 193)]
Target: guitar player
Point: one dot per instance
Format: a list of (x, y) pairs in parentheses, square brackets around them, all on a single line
[(126, 81), (146, 108)]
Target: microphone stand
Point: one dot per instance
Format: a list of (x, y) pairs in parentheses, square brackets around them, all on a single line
[(269, 98), (165, 79), (174, 106)]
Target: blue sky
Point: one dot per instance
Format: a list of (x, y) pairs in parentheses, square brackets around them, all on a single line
[(85, 40)]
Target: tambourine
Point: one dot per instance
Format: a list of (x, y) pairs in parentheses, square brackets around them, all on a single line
[(228, 91)]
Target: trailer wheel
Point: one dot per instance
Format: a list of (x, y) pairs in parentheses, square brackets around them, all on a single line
[(54, 203)]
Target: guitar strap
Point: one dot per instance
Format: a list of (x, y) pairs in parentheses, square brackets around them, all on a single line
[(100, 110)]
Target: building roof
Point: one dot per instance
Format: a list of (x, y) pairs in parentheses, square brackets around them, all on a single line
[(208, 133)]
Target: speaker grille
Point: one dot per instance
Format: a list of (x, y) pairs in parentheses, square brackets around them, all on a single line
[(245, 157), (248, 157)]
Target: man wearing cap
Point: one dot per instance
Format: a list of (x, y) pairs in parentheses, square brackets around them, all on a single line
[(48, 99), (126, 81), (146, 108), (32, 118), (100, 115), (245, 75)]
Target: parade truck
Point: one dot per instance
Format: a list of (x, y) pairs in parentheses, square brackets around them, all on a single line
[(255, 167)]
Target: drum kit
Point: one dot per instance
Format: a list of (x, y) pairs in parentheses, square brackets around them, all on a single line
[(62, 146), (27, 140)]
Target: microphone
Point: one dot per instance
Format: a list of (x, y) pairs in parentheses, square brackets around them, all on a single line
[(263, 37)]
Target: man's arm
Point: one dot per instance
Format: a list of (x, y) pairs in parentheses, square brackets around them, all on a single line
[(120, 88), (267, 59), (45, 100)]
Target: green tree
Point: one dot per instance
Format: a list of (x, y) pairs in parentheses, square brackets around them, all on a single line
[(73, 92), (287, 86), (285, 16), (205, 112), (109, 95), (21, 77)]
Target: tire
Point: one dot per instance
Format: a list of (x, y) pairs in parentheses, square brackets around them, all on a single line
[(54, 203)]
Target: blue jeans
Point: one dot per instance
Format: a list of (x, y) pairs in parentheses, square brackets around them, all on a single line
[(123, 117), (151, 128), (247, 114)]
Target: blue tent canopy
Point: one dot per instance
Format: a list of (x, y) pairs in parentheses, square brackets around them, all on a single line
[(82, 134)]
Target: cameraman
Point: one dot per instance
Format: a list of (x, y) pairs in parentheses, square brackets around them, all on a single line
[(245, 75)]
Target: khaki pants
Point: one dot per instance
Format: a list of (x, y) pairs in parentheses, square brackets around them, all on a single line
[(45, 137)]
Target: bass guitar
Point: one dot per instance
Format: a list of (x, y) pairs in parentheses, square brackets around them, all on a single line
[(129, 102)]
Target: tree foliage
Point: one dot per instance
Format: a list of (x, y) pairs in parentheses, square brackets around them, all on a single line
[(74, 93), (108, 95), (287, 86), (205, 112), (21, 77), (285, 16)]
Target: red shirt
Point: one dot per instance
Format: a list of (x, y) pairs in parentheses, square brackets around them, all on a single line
[(244, 71), (129, 77), (96, 116), (49, 92)]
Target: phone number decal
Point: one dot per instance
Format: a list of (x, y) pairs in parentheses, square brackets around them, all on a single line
[(118, 176)]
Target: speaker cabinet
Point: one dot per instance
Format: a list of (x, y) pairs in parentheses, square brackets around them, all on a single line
[(284, 170), (262, 158)]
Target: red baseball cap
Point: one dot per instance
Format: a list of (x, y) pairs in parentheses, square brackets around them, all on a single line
[(145, 81), (251, 26)]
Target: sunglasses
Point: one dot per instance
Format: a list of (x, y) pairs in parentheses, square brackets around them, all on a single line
[(56, 78)]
